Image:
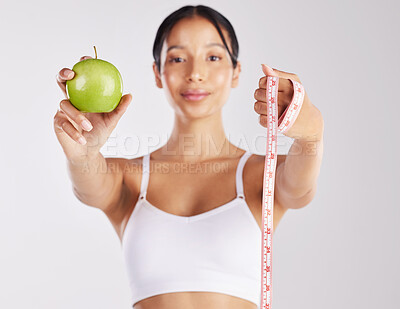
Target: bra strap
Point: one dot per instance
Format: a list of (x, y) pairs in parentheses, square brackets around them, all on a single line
[(239, 174), (145, 175)]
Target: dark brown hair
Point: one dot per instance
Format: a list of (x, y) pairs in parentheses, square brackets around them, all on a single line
[(189, 11)]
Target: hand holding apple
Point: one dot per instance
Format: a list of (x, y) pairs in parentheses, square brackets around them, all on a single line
[(70, 128), (96, 86)]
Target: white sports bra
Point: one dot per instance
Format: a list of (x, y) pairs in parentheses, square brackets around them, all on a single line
[(215, 251)]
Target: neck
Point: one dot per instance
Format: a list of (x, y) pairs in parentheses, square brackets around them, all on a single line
[(196, 140)]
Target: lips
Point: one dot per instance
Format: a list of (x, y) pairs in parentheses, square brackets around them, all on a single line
[(195, 94)]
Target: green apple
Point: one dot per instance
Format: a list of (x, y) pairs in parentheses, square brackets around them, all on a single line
[(96, 86)]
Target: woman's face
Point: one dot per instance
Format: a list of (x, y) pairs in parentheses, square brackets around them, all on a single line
[(194, 57)]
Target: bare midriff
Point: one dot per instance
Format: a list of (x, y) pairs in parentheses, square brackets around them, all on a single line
[(194, 300)]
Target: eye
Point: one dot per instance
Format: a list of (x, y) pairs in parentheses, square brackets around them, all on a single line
[(215, 57), (173, 59)]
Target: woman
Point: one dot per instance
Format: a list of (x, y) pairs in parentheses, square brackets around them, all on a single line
[(189, 218)]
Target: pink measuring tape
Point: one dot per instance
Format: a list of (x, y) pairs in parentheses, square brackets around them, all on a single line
[(283, 124)]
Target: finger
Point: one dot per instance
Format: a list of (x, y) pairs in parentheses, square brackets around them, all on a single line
[(75, 115), (85, 57), (67, 74), (61, 124), (63, 88), (260, 95), (262, 108), (62, 77), (57, 119), (263, 120), (68, 128), (64, 115), (282, 85), (117, 113), (284, 95), (268, 71), (287, 75)]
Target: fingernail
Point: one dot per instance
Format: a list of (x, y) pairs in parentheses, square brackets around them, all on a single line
[(86, 125), (269, 67), (82, 140)]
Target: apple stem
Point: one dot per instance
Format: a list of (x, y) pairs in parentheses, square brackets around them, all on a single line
[(95, 52)]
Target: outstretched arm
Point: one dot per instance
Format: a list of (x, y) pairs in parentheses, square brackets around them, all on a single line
[(296, 178)]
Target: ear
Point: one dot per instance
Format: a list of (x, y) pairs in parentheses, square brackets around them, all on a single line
[(235, 77), (157, 75)]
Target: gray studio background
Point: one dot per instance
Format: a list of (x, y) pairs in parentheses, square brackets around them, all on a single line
[(340, 251)]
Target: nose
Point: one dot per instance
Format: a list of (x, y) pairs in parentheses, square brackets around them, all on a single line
[(195, 73)]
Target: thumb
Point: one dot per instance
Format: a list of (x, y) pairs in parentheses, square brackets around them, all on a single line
[(268, 71), (117, 113)]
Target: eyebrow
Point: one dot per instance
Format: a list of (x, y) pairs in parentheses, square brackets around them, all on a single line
[(182, 47)]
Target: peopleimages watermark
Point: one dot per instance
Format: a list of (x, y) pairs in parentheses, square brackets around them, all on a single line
[(160, 168), (196, 144), (191, 146)]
